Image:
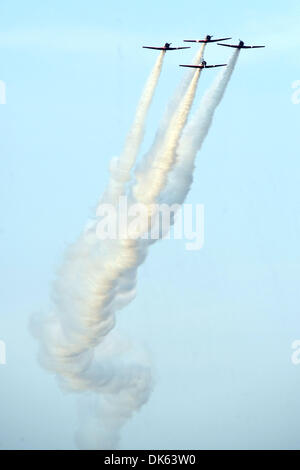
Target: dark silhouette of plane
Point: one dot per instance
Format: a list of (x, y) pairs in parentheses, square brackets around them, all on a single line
[(241, 45), (203, 65), (206, 40), (166, 47)]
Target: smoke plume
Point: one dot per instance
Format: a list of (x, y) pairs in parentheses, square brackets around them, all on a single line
[(78, 341)]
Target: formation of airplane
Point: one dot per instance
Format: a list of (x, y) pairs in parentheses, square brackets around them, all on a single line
[(206, 40), (241, 45), (166, 47), (203, 65)]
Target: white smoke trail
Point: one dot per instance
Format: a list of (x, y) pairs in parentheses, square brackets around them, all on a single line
[(172, 108), (181, 177), (76, 346), (88, 291), (93, 283), (179, 92), (151, 182), (121, 167)]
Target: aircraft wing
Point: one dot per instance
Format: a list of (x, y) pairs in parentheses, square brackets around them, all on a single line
[(165, 48), (205, 40), (219, 65), (229, 45), (156, 48), (222, 39), (202, 67), (240, 47), (192, 66)]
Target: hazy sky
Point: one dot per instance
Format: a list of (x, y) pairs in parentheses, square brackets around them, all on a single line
[(219, 322)]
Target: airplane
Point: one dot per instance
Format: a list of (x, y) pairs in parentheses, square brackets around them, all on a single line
[(241, 45), (206, 40), (166, 47), (203, 65)]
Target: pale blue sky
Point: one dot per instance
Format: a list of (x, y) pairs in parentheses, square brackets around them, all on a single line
[(219, 323)]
